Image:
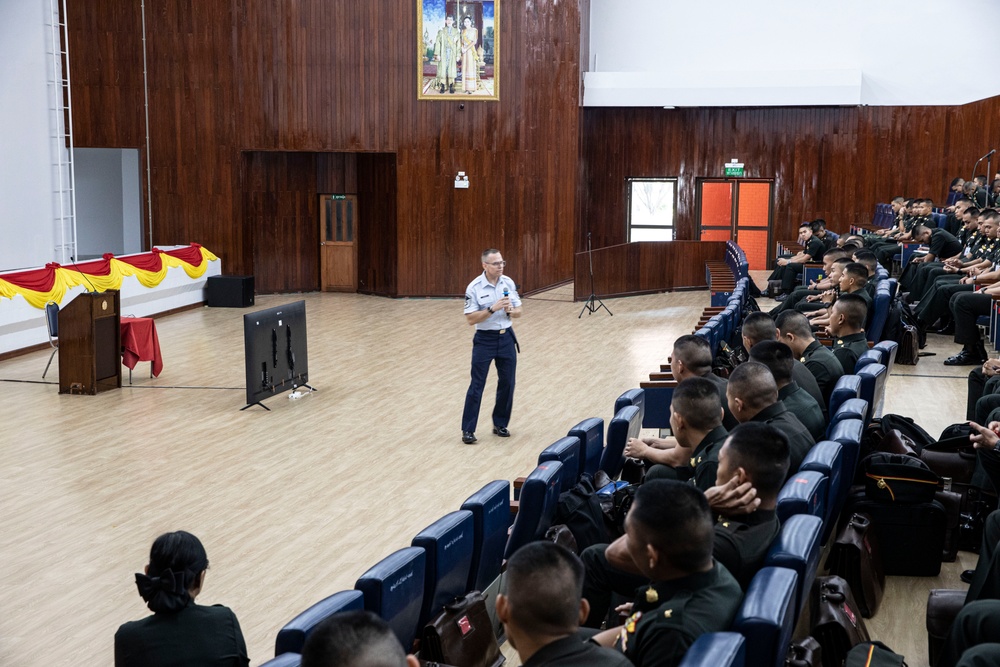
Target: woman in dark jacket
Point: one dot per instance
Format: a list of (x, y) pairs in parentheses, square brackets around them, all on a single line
[(179, 632)]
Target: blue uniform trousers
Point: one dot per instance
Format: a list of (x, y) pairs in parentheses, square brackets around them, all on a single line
[(487, 347)]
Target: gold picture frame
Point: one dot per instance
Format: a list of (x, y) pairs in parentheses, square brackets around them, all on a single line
[(455, 37)]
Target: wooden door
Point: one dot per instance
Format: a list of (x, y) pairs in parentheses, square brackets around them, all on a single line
[(339, 255)]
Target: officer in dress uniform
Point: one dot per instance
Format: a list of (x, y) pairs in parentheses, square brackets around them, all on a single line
[(491, 301)]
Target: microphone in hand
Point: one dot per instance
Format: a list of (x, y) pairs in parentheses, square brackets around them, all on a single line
[(506, 295)]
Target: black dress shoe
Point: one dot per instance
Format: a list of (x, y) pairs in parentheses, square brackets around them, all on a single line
[(946, 330), (967, 576), (468, 437), (501, 431), (964, 358)]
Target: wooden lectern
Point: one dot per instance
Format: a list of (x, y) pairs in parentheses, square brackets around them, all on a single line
[(90, 344)]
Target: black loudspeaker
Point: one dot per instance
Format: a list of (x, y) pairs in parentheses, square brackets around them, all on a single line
[(229, 291)]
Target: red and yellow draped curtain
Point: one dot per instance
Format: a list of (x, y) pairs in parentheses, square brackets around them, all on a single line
[(39, 286)]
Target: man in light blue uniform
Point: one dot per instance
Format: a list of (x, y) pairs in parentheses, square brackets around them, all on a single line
[(491, 301)]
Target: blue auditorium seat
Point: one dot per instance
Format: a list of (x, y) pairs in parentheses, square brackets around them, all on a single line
[(658, 397), (636, 397), (537, 505), (292, 637), (716, 649), (848, 386), (803, 493), (394, 589), (591, 435), (827, 457), (624, 425), (872, 356), (811, 272), (852, 408), (797, 548), (767, 616), (848, 433), (880, 312), (284, 660), (873, 379), (567, 452), (710, 333), (448, 544), (490, 507), (888, 349)]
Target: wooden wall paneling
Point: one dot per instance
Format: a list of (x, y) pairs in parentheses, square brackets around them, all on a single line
[(320, 77), (830, 162), (640, 268), (377, 226), (282, 212)]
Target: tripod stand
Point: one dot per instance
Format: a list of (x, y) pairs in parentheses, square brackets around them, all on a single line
[(593, 304)]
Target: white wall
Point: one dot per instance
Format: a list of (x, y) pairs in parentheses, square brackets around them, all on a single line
[(28, 235), (789, 52), (107, 201)]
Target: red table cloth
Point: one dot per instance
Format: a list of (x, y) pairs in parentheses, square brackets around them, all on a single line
[(140, 343)]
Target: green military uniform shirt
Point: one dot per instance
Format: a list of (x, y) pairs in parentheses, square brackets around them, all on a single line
[(824, 366), (798, 401), (703, 465), (741, 544), (848, 349), (668, 616)]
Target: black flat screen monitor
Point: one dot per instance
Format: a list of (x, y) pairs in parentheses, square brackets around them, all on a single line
[(274, 341)]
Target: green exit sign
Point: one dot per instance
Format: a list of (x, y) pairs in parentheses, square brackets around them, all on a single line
[(734, 168)]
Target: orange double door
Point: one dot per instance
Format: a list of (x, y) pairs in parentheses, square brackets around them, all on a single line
[(738, 210)]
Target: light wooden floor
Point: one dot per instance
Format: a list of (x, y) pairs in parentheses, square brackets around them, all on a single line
[(294, 504)]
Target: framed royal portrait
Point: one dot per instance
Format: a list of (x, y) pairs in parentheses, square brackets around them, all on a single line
[(458, 50)]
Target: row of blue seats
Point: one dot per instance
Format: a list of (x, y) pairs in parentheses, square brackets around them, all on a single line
[(808, 507), (465, 549), (721, 287), (884, 218), (720, 327)]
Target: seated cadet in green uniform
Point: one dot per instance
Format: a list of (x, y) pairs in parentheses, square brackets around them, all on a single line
[(941, 244), (752, 469), (753, 396), (759, 327), (820, 300), (692, 358), (542, 607), (354, 638), (935, 304), (778, 358), (788, 270), (795, 332), (853, 280), (814, 287), (921, 215), (692, 454), (977, 255), (847, 321), (669, 536)]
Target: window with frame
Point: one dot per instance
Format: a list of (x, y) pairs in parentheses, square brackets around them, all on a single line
[(652, 206)]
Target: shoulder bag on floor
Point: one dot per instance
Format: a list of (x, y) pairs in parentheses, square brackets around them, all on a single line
[(462, 635)]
